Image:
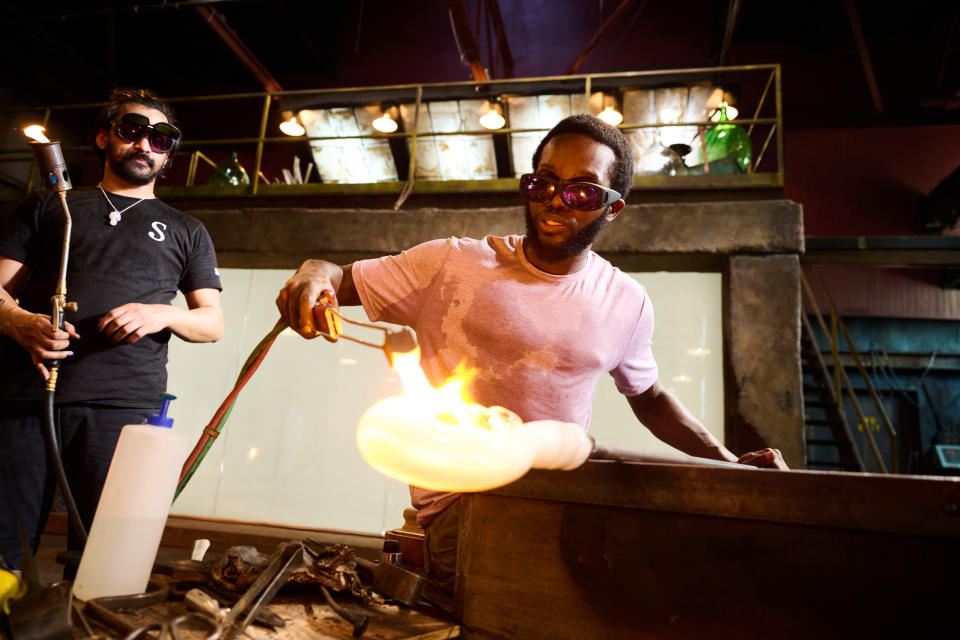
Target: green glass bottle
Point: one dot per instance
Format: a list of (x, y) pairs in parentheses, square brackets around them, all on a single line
[(727, 140), (229, 173)]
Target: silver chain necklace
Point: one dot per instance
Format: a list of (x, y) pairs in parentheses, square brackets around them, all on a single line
[(115, 215)]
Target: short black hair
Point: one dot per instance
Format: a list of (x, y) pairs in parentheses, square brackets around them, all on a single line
[(621, 178), (120, 97)]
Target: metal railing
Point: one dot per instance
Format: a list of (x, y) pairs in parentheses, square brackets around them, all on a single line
[(840, 383), (422, 93)]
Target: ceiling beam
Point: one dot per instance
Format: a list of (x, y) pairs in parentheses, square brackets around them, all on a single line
[(464, 33), (599, 35), (733, 11), (503, 47), (219, 24), (864, 56)]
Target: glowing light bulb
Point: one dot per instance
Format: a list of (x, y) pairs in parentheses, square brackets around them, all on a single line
[(682, 378), (385, 123), (611, 116), (292, 128), (492, 116), (35, 132), (731, 112), (698, 351)]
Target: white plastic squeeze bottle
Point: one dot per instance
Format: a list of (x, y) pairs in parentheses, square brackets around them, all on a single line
[(127, 527)]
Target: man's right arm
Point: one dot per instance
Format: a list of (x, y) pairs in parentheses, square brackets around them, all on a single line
[(304, 289), (32, 331)]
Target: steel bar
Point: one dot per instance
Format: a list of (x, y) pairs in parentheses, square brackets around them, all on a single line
[(412, 167), (891, 432), (779, 117), (762, 101), (733, 10), (864, 56), (626, 75), (263, 130), (599, 35), (763, 150), (826, 376), (846, 384), (503, 46), (465, 35), (217, 22)]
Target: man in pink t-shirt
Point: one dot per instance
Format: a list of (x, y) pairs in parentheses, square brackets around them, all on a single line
[(540, 317)]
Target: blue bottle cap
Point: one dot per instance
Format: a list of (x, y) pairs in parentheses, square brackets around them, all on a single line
[(161, 419)]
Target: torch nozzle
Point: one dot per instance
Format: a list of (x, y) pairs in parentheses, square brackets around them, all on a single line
[(53, 168)]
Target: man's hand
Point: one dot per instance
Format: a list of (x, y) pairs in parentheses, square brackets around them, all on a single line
[(35, 333), (765, 458), (132, 321), (303, 291)]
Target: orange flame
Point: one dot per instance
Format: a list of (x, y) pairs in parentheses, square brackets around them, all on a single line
[(438, 438), (35, 132)]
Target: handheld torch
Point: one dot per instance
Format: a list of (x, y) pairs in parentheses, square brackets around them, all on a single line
[(56, 179)]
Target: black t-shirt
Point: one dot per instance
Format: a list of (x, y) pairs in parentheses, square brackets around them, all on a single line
[(154, 251)]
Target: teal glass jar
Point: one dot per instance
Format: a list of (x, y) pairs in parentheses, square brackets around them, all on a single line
[(728, 145), (229, 173)]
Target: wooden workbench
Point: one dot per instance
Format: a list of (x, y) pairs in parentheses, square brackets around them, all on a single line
[(619, 550)]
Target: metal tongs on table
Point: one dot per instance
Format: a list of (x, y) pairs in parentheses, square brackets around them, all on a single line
[(394, 343)]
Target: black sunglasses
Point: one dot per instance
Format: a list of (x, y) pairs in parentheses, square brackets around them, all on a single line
[(133, 126), (583, 196)]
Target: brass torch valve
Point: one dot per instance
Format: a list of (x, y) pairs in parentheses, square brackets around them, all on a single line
[(394, 342)]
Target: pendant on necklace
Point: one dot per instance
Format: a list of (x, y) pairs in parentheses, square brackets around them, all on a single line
[(114, 218)]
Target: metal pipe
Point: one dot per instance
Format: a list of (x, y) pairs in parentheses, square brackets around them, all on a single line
[(603, 451), (263, 129), (762, 101), (891, 432), (705, 71), (613, 19), (844, 382)]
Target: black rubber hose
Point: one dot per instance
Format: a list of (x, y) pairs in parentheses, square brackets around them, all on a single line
[(53, 458)]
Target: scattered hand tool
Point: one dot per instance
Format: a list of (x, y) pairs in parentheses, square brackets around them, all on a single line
[(391, 580), (41, 613), (359, 621), (102, 609), (199, 599), (263, 589)]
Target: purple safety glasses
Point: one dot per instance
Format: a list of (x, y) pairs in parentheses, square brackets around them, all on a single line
[(583, 196), (162, 136)]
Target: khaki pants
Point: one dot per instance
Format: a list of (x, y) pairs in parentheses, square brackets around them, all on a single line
[(440, 546)]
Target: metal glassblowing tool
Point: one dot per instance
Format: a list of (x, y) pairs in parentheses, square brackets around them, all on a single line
[(394, 342), (56, 179)]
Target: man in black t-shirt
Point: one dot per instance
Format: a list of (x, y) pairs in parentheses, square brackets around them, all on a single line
[(129, 254)]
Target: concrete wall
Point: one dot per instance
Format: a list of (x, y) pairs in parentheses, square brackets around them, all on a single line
[(754, 244)]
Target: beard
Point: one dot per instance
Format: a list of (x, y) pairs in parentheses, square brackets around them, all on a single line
[(572, 246), (127, 168)]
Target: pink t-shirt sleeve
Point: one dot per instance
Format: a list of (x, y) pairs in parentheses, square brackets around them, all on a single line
[(400, 280), (637, 371)]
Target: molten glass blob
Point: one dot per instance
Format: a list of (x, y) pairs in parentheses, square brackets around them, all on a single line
[(437, 439)]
